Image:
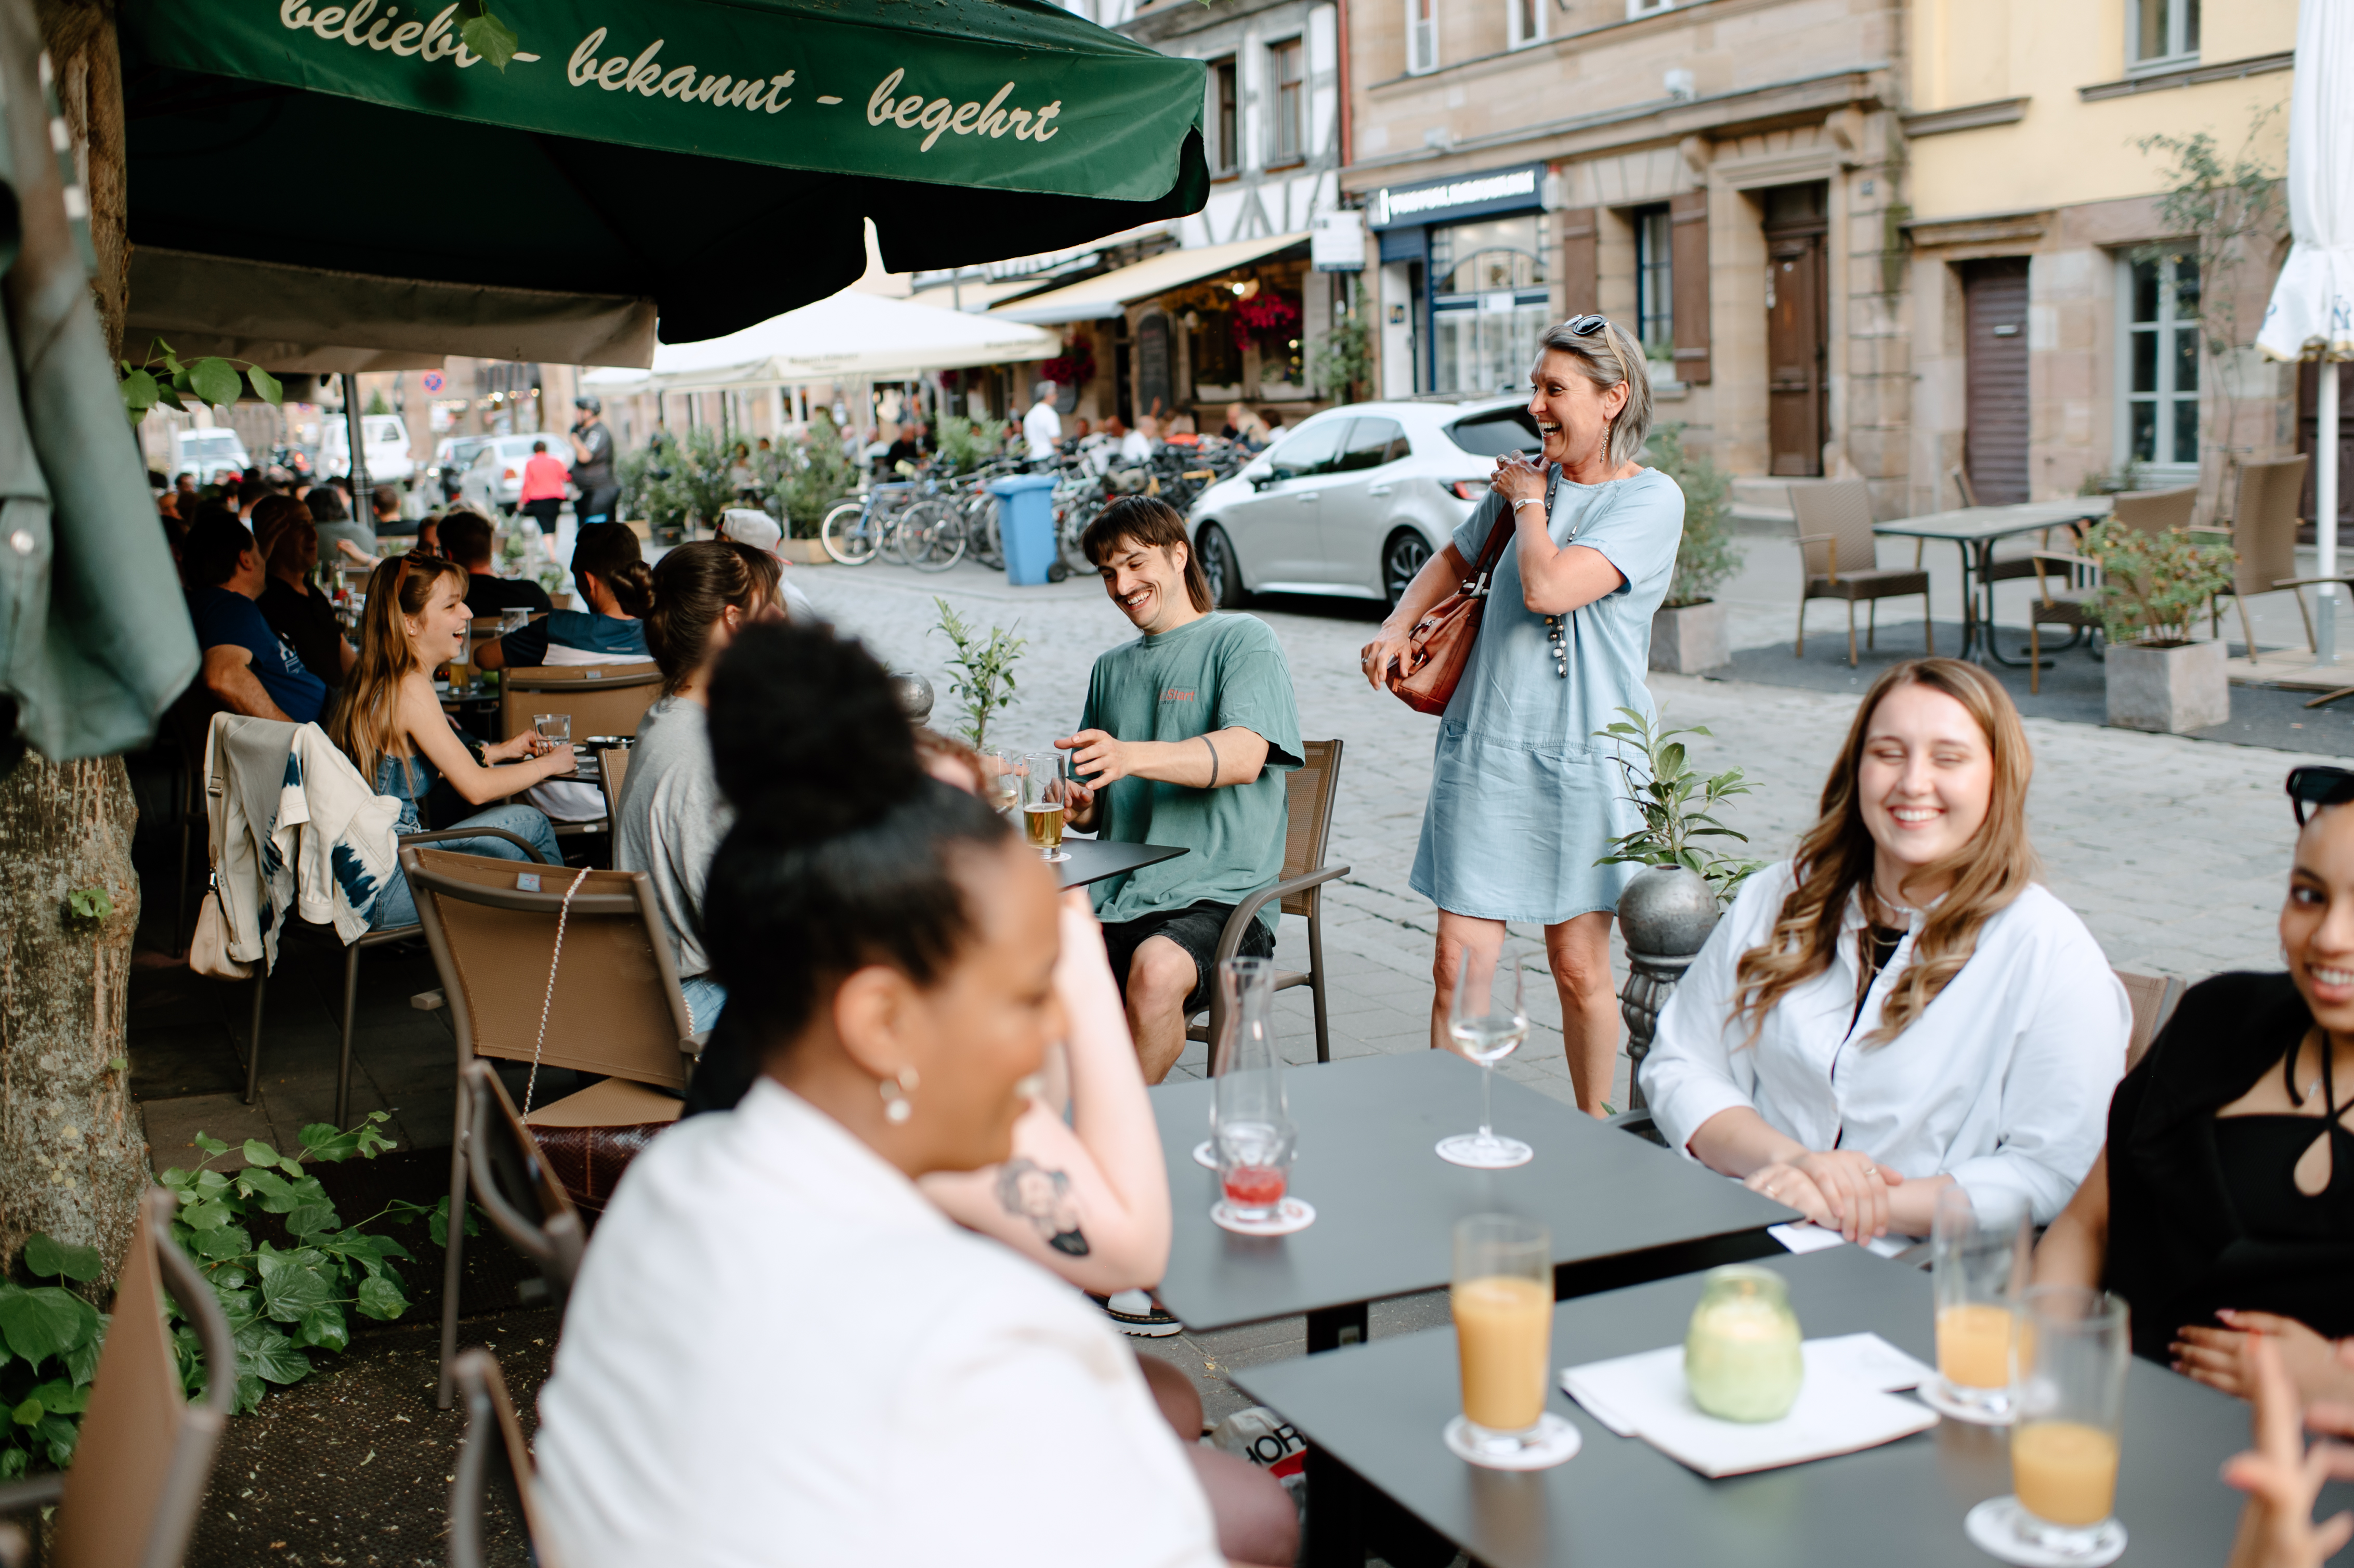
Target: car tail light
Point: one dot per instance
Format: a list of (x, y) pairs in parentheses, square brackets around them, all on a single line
[(511, 473), (1466, 489)]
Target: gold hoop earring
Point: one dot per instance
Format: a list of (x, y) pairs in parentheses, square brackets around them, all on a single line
[(897, 1103)]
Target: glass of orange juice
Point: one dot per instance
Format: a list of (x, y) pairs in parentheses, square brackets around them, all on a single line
[(1502, 1301), (1977, 1264), (2068, 1384)]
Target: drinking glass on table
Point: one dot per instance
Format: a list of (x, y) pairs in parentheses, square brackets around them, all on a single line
[(555, 730), (1045, 795), (1487, 1019), (1001, 781), (1977, 1264), (1503, 1303), (2067, 1392)]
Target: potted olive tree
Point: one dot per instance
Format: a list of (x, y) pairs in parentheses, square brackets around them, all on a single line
[(1689, 632), (2153, 586)]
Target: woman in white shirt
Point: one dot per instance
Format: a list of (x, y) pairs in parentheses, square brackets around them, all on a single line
[(1901, 1007), (779, 1351)]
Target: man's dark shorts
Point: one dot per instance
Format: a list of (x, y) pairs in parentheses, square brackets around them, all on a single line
[(1196, 928)]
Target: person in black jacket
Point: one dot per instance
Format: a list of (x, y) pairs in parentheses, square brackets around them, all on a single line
[(2222, 1204)]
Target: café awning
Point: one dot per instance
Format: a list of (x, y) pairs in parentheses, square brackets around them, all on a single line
[(710, 161), (852, 335), (1109, 294)]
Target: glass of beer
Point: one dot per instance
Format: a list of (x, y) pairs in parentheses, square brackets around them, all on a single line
[(2068, 1385), (1977, 1264), (1502, 1301), (1045, 796)]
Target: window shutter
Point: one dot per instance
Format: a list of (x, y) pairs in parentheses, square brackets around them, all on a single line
[(1687, 224), (1579, 267)]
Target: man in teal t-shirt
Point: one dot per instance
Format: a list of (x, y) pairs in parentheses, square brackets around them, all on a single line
[(1186, 737)]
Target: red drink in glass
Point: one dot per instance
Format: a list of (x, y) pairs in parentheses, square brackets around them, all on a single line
[(1254, 1186)]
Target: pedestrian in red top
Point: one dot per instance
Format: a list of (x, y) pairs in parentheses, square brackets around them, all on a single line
[(544, 483)]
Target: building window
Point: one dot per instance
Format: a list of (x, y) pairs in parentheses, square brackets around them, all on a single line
[(2160, 372), (2160, 33), (1488, 304), (1655, 279), (1524, 20), (1226, 119), (1286, 69), (1421, 36)]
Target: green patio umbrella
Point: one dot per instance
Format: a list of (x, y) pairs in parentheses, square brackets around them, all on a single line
[(714, 157)]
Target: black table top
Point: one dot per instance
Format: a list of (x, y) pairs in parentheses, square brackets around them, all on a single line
[(1379, 1409), (1619, 1208), (1092, 860)]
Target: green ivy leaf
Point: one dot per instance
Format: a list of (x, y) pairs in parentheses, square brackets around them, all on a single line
[(277, 1197), (27, 1414), (46, 1323), (228, 1241), (265, 386), (250, 1389), (310, 1220), (58, 1397), (81, 1361), (381, 1297), (490, 38), (213, 379), (289, 1292), (324, 1328), (90, 903), (139, 391), (50, 1258), (210, 1214), (260, 1154), (209, 1144)]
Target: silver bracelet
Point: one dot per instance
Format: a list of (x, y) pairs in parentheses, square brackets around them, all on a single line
[(1527, 501)]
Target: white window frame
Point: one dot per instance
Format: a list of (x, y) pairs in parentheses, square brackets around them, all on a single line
[(1276, 152), (1536, 13), (2182, 47), (2177, 471), (1647, 8), (1421, 37)]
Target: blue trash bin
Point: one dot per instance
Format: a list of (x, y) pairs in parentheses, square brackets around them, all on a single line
[(1025, 526)]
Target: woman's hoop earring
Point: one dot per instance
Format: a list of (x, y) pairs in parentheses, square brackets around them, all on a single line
[(897, 1107)]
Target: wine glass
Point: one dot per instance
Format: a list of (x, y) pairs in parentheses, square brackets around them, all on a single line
[(1487, 1020), (1045, 797)]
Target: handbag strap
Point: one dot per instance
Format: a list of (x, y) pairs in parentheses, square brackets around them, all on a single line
[(1501, 531), (563, 913)]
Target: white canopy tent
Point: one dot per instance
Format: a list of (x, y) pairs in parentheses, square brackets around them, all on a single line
[(2312, 311), (851, 336)]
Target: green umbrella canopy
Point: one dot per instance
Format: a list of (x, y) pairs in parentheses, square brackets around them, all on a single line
[(717, 156)]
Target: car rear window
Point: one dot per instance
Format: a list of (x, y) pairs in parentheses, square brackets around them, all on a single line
[(1494, 433)]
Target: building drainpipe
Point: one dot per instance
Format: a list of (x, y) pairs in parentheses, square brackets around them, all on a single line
[(1341, 35), (362, 511)]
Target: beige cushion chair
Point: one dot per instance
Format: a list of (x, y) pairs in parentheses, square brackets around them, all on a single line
[(493, 1453), (1309, 792), (2154, 999), (2263, 536), (612, 771), (2156, 511), (604, 1002), (1835, 538), (145, 1458), (602, 699)]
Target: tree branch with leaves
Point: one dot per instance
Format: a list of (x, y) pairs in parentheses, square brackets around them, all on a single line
[(212, 379)]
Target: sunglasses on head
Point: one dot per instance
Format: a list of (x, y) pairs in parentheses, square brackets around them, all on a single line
[(1587, 325), (2311, 788)]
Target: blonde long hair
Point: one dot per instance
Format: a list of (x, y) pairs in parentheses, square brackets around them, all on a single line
[(366, 724), (1836, 858)]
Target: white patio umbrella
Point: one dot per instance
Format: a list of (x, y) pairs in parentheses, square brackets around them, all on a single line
[(2311, 315)]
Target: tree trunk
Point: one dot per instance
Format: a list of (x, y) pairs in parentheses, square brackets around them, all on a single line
[(73, 1155)]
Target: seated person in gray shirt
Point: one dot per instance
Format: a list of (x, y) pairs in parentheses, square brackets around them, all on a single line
[(671, 817)]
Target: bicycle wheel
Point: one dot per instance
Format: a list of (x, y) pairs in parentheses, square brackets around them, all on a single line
[(847, 535), (981, 531), (932, 536), (1080, 512)]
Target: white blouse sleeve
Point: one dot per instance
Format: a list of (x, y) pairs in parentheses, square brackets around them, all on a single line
[(1693, 1072)]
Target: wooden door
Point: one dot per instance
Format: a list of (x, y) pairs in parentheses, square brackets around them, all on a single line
[(1796, 354), (1994, 441)]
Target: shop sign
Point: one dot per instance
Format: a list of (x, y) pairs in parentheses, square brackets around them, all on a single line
[(1337, 243), (1471, 196)]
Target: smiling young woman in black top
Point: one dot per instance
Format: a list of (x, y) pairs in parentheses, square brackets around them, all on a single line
[(2223, 1202)]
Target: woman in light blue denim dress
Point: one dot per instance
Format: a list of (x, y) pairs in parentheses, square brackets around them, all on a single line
[(1522, 799)]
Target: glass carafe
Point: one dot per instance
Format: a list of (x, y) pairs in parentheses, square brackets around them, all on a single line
[(1250, 1120)]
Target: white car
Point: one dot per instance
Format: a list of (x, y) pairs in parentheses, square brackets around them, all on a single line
[(1356, 500), (204, 454), (386, 435), (494, 477)]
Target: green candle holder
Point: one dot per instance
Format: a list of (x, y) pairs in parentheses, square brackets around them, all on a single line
[(1741, 1354)]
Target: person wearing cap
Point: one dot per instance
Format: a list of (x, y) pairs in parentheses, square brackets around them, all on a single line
[(593, 463), (758, 531)]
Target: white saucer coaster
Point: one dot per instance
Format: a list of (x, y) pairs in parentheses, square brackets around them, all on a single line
[(1056, 858), (1500, 1154), (1291, 1214), (1206, 1154), (1938, 1395), (1554, 1442), (1994, 1528)]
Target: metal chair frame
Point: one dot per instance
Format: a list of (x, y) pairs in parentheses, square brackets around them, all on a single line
[(493, 1447)]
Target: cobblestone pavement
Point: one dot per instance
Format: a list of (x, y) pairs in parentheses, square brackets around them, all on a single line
[(2173, 851)]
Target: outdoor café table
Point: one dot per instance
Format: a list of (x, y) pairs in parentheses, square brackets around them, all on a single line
[(1092, 860), (1620, 1208), (1974, 531), (1373, 1417)]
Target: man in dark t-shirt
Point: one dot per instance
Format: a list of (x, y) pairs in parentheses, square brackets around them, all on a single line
[(593, 463), (249, 668), (466, 539)]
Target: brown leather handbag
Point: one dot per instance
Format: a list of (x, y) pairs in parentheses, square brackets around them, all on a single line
[(1441, 640)]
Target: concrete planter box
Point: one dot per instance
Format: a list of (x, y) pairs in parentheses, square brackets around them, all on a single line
[(2170, 690), (802, 551), (1694, 638)]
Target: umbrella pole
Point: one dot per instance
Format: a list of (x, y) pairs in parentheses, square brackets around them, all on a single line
[(2324, 509), (361, 509)]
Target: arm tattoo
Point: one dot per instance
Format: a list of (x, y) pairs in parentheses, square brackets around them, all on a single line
[(1032, 1192), (1214, 760)]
